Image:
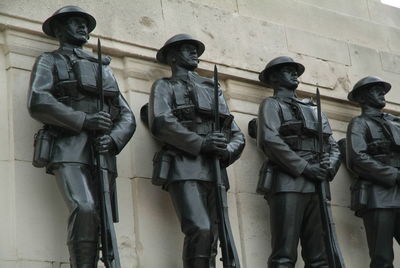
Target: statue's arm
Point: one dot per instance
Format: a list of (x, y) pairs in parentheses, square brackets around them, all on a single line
[(43, 106), (124, 127), (272, 144), (335, 157), (361, 162), (165, 126)]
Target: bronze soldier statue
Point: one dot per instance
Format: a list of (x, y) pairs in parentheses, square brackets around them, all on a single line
[(181, 116), (64, 96), (287, 133), (373, 154)]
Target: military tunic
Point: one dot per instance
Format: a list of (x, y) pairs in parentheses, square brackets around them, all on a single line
[(61, 101), (373, 153), (287, 134), (180, 116)]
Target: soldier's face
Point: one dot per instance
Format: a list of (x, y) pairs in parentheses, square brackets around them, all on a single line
[(288, 77), (188, 57), (375, 96), (75, 30)]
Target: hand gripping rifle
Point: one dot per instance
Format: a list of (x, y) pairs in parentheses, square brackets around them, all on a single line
[(109, 247), (230, 258), (335, 259)]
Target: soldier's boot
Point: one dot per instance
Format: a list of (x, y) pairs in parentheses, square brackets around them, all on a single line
[(197, 263), (83, 254)]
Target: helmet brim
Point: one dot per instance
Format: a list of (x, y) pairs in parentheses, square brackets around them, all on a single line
[(352, 94), (263, 76), (47, 26), (163, 52)]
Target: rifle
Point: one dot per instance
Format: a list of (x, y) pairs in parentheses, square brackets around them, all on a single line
[(109, 246), (335, 258), (230, 258)]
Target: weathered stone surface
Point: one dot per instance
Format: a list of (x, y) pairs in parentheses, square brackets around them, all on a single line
[(4, 110), (384, 14), (254, 221), (321, 22), (222, 4), (247, 168), (324, 73), (356, 8), (317, 46), (125, 228), (23, 126), (390, 62), (8, 248), (143, 145), (156, 227), (41, 215)]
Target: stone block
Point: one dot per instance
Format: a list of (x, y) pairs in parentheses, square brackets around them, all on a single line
[(390, 62), (29, 45), (139, 22), (34, 264), (247, 167), (317, 46), (222, 4), (143, 145), (245, 97), (4, 110), (22, 125), (340, 187), (156, 227), (253, 214), (351, 237), (8, 264), (321, 22), (356, 8), (324, 73), (216, 28), (263, 39), (384, 14), (41, 225), (125, 228), (8, 248)]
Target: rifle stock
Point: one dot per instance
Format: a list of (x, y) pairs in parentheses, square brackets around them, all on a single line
[(109, 246), (230, 258), (335, 258)]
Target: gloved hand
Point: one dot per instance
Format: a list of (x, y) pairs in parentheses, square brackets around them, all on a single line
[(215, 143), (315, 172), (104, 144), (100, 121), (319, 172)]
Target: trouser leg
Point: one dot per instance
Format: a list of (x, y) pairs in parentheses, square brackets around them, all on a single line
[(78, 189), (286, 215), (379, 227), (190, 199), (311, 237)]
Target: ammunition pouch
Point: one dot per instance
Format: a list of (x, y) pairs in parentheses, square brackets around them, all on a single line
[(265, 180), (86, 73), (301, 143), (380, 147), (390, 159), (291, 128), (161, 167), (43, 143), (88, 104), (359, 195)]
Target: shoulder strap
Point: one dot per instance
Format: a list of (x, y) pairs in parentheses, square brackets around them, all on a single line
[(373, 131), (61, 66), (285, 110)]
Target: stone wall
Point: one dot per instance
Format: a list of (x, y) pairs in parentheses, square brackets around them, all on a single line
[(339, 42)]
